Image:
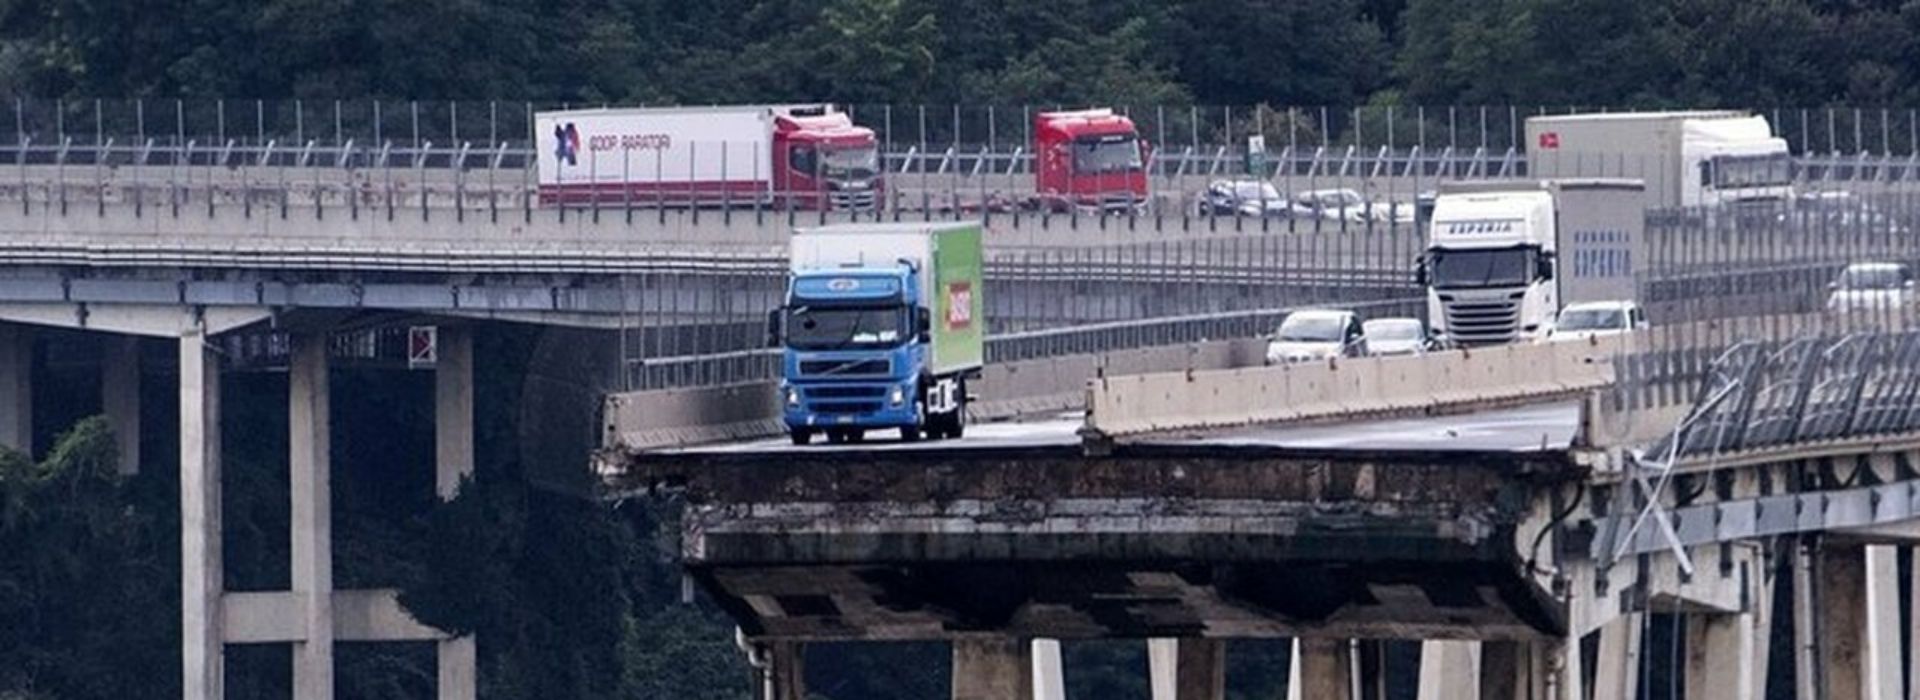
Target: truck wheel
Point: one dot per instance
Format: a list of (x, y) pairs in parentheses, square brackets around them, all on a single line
[(856, 435), (835, 437), (801, 436), (909, 433)]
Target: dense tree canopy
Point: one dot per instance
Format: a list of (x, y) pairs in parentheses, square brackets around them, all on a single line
[(1301, 52)]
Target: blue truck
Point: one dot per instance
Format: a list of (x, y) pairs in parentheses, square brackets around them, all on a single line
[(882, 328)]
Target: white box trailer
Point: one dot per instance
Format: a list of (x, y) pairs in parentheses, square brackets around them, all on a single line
[(740, 155), (1686, 158)]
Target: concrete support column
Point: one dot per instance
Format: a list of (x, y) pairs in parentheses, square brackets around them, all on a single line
[(992, 668), (1326, 669), (787, 675), (309, 441), (1616, 672), (1049, 677), (453, 460), (1720, 652), (16, 387), (1882, 632), (120, 397), (1449, 670), (200, 566), (1187, 669), (1840, 635), (1569, 671), (1503, 670)]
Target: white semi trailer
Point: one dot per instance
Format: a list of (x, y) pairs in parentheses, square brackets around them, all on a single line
[(1687, 159)]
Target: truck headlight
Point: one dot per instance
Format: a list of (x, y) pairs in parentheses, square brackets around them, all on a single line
[(793, 397), (898, 396)]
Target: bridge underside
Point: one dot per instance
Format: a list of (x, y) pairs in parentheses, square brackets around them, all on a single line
[(1150, 541)]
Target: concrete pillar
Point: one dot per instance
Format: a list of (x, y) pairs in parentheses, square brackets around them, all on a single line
[(1841, 634), (16, 387), (1326, 669), (1720, 651), (1503, 672), (200, 567), (309, 442), (1293, 671), (1913, 659), (1449, 670), (1805, 647), (992, 668), (1882, 632), (453, 459), (1049, 679), (1187, 669), (1570, 673), (788, 674), (120, 397), (1616, 672)]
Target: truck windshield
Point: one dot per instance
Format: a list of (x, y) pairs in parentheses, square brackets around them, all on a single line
[(1112, 153), (1592, 319), (1467, 269), (1765, 170), (842, 327), (854, 162), (1873, 277)]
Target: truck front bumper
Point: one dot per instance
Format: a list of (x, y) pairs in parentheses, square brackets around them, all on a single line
[(867, 405)]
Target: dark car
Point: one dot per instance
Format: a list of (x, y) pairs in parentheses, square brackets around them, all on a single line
[(1243, 198)]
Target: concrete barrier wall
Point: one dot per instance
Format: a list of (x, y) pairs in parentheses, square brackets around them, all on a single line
[(645, 420), (1347, 388)]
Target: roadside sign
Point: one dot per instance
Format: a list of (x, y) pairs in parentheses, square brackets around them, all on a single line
[(423, 347)]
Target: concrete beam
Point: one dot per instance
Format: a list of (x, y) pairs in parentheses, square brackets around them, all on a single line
[(453, 460), (309, 440), (375, 615), (1449, 670), (151, 320), (1326, 669), (202, 665), (1187, 669), (16, 388), (992, 668), (120, 397)]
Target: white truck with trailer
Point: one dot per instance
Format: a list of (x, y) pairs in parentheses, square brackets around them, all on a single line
[(1503, 257), (1701, 158)]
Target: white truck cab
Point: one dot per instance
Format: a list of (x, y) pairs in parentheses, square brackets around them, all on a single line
[(1502, 257)]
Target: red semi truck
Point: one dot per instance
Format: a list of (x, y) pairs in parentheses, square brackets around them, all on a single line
[(1089, 158), (804, 156)]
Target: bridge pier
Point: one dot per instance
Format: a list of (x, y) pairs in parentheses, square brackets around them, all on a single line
[(1449, 670), (16, 387), (311, 615), (1325, 669), (1720, 657), (992, 668), (1049, 677), (1854, 637), (786, 672), (1187, 669), (120, 397)]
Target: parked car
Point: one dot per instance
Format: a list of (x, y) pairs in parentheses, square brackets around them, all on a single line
[(1317, 335), (1243, 198), (1871, 286), (1597, 318), (1396, 336)]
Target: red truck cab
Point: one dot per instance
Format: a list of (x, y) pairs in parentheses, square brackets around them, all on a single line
[(1089, 158), (822, 159)]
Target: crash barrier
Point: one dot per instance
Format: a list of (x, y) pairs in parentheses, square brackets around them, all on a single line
[(664, 418), (1468, 379)]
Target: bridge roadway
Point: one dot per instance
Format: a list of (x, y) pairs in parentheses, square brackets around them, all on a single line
[(1516, 534)]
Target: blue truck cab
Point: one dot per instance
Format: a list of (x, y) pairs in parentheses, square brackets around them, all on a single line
[(861, 349)]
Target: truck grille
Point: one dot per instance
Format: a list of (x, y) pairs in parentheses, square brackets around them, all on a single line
[(847, 368), (845, 407), (1483, 321), (846, 392), (845, 200)]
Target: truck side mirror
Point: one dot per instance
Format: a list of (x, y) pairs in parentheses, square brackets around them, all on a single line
[(1543, 266), (923, 324), (773, 327), (1420, 272)]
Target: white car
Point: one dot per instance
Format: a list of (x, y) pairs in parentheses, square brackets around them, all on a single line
[(1395, 336), (1870, 287), (1316, 335), (1597, 318)]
